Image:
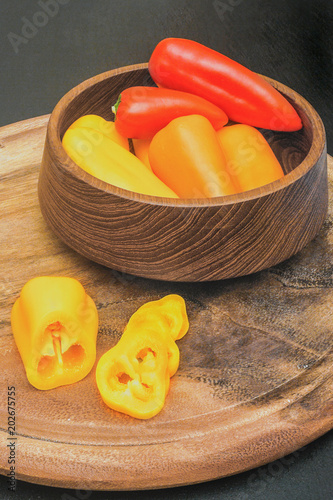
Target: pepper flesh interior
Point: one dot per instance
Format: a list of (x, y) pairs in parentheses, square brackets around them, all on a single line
[(144, 353), (124, 378), (138, 386), (72, 357)]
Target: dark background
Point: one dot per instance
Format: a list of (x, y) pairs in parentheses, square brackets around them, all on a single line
[(44, 56)]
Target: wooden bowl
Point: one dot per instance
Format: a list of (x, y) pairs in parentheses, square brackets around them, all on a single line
[(182, 240)]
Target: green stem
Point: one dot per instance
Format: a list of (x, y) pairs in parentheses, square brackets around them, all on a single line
[(115, 107)]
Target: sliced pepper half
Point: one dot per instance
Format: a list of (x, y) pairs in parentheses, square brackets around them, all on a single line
[(133, 377)]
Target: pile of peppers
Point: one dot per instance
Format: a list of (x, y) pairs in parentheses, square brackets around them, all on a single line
[(194, 135), (55, 327)]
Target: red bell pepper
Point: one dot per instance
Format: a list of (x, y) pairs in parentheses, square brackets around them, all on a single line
[(143, 111), (245, 96)]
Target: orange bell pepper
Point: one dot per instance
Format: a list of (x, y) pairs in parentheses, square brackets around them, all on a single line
[(55, 325), (107, 128), (133, 377), (187, 156), (249, 157)]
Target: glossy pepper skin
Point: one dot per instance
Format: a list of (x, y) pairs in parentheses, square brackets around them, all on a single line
[(133, 377), (141, 150), (250, 158), (167, 316), (143, 111), (108, 128), (186, 65), (106, 160), (187, 156), (55, 325)]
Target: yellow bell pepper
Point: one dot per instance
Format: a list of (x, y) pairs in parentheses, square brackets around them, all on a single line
[(55, 325), (133, 377), (106, 127), (103, 158)]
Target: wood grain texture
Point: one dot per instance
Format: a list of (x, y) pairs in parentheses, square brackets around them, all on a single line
[(255, 380), (182, 240)]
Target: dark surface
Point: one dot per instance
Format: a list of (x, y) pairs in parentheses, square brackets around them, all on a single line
[(290, 41)]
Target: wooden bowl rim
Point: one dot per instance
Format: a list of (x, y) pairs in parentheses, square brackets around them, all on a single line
[(53, 134)]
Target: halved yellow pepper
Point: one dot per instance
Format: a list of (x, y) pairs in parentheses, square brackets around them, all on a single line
[(133, 377), (55, 325), (103, 158)]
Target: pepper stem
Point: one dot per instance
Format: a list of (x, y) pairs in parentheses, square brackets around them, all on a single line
[(116, 105)]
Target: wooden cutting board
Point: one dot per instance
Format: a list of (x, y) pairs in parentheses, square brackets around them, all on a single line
[(255, 380)]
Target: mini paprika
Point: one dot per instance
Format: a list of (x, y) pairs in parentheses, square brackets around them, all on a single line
[(143, 111), (186, 65), (106, 160), (249, 157), (55, 325), (141, 150), (106, 127), (187, 156)]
